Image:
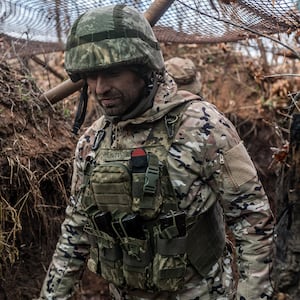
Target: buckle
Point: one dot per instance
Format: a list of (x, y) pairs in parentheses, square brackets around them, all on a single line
[(98, 139), (151, 178)]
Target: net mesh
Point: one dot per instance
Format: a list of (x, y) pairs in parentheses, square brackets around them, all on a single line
[(36, 26)]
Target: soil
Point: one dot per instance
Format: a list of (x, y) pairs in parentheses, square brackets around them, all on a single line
[(37, 148)]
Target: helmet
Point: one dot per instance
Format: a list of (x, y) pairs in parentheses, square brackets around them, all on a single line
[(184, 73), (109, 36)]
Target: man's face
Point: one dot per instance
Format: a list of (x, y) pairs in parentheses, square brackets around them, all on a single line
[(116, 89)]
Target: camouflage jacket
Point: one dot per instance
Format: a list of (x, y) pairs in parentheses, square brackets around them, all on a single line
[(207, 162)]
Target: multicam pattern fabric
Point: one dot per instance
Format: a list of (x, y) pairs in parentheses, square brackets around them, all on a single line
[(111, 36), (207, 162)]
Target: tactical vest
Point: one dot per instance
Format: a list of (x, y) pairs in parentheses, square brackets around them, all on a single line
[(139, 236)]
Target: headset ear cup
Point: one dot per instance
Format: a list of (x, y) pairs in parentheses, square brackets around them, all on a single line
[(81, 109)]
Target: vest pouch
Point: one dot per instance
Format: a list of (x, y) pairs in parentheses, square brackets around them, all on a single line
[(147, 204), (170, 263), (137, 267), (111, 260), (105, 254), (111, 186)]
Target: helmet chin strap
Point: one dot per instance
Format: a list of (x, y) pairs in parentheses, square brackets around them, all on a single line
[(81, 109)]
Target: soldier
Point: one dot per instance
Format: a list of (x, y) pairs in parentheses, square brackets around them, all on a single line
[(156, 178), (185, 74)]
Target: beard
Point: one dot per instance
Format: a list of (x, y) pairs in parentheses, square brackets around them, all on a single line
[(116, 103)]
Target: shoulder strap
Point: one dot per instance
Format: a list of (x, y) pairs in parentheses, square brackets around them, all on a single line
[(172, 118), (172, 122)]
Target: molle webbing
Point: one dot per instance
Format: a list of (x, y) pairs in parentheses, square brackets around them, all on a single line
[(149, 180), (120, 181)]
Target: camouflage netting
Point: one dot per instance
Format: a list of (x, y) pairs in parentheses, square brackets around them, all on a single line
[(41, 26)]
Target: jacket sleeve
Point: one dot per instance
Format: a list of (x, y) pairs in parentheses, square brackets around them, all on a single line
[(250, 219), (216, 167), (73, 247), (68, 259)]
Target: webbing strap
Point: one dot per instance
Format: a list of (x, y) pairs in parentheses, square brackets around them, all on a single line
[(170, 232), (152, 175), (112, 34), (172, 273), (145, 175), (171, 247)]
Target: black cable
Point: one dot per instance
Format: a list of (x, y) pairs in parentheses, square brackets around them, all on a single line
[(81, 109)]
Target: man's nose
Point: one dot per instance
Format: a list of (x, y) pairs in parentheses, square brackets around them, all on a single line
[(102, 85)]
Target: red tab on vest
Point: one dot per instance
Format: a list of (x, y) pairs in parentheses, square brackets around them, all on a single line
[(138, 152), (139, 160)]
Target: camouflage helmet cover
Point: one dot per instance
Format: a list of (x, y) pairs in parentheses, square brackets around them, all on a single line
[(185, 74), (111, 36)]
